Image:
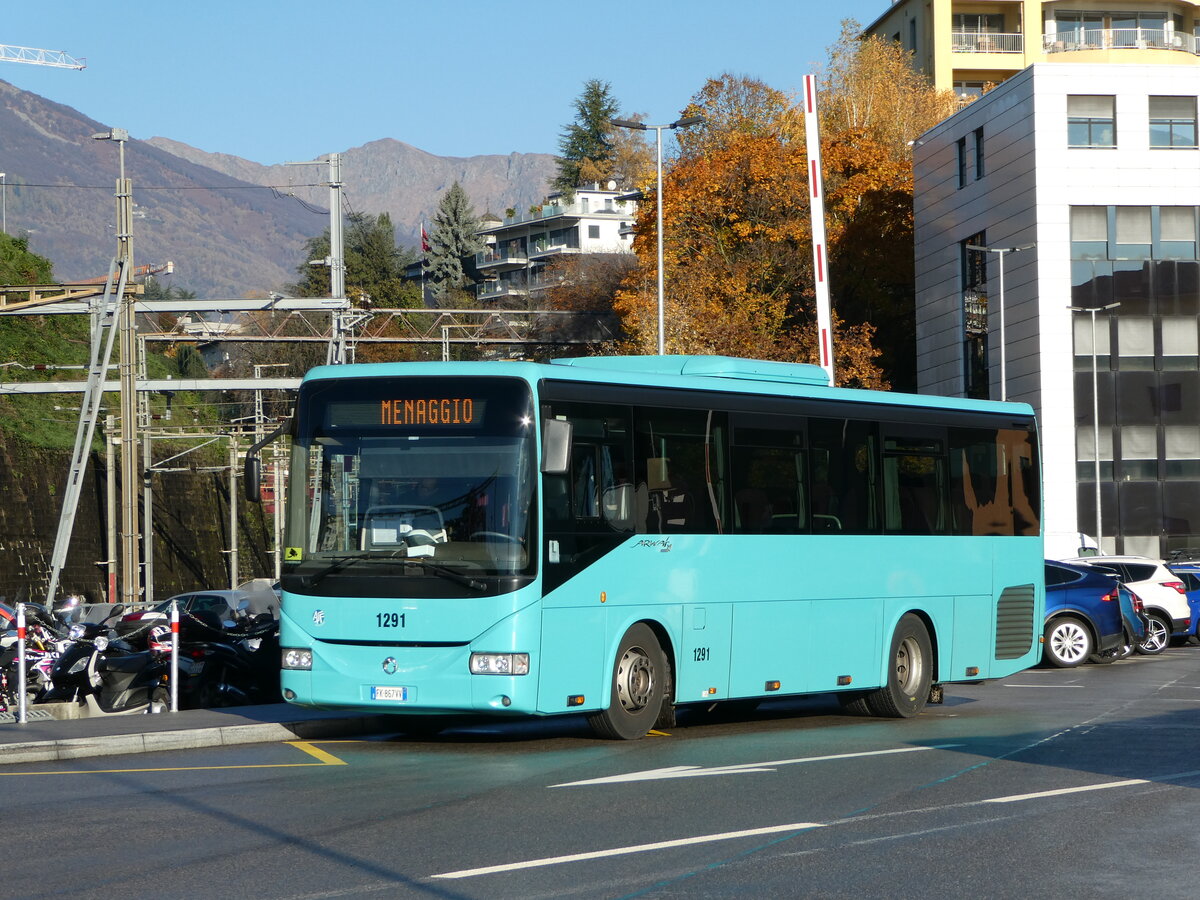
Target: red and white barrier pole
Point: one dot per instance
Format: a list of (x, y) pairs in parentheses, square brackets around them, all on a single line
[(174, 656), (21, 663), (817, 207)]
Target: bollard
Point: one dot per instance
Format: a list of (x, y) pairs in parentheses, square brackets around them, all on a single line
[(21, 663), (174, 656)]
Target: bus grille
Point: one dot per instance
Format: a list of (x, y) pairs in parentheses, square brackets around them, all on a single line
[(1014, 622)]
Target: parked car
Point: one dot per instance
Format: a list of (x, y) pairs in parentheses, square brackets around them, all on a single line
[(1189, 574), (225, 604), (1083, 615), (1133, 617), (1162, 593)]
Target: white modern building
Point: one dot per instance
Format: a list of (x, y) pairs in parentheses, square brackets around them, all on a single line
[(1093, 171), (518, 248)]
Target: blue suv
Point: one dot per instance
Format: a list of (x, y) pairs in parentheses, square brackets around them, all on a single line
[(1189, 574), (1083, 615)]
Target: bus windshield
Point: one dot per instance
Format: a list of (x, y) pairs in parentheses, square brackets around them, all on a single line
[(410, 478)]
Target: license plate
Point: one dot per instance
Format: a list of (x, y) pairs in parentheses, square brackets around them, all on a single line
[(389, 693)]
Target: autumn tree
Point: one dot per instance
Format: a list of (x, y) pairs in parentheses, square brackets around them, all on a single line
[(737, 241), (874, 105)]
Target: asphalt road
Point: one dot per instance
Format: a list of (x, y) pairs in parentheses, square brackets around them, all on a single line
[(1065, 783)]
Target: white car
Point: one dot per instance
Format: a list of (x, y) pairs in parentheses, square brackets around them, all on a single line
[(1162, 592)]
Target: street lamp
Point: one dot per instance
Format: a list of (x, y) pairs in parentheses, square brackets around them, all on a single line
[(658, 130), (4, 202), (1000, 251), (1095, 411)]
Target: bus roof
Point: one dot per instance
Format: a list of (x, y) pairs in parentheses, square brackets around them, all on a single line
[(716, 373)]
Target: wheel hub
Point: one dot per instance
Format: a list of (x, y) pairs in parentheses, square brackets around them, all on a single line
[(635, 679)]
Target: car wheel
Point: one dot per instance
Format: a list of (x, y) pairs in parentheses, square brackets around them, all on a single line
[(1158, 635), (1067, 642), (638, 691), (910, 673)]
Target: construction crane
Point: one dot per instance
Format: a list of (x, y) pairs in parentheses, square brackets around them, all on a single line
[(32, 55)]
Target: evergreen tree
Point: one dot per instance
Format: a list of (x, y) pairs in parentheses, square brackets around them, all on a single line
[(453, 238), (374, 263), (586, 144)]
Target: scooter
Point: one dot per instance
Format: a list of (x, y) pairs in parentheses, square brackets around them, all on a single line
[(108, 676)]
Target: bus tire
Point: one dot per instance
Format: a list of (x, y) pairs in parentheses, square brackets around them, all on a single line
[(909, 674), (638, 689)]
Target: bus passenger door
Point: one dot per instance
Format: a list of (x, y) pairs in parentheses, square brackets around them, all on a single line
[(702, 666)]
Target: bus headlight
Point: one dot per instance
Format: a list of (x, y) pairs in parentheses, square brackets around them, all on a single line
[(499, 663), (297, 658)]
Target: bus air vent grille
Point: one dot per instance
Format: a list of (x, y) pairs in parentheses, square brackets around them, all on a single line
[(1014, 622)]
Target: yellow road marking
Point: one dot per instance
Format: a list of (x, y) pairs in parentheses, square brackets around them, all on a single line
[(324, 759)]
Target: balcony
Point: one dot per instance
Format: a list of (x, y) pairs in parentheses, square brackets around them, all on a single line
[(1119, 39), (986, 42), (503, 258)]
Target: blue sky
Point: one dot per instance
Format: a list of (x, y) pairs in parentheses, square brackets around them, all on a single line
[(274, 81)]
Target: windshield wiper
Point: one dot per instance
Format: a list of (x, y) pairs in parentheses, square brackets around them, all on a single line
[(338, 562), (445, 572)]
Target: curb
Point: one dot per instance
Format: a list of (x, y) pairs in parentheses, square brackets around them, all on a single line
[(190, 739)]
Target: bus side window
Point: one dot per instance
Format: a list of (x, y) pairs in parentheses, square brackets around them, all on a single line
[(844, 458)]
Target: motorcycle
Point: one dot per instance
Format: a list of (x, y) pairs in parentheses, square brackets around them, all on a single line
[(45, 637), (228, 664), (107, 675)]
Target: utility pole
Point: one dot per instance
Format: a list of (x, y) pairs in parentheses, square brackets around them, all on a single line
[(130, 476), (336, 260)]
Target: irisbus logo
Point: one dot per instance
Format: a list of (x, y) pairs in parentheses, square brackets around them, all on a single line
[(662, 545)]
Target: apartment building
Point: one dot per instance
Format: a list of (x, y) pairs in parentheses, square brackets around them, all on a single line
[(966, 46), (518, 248)]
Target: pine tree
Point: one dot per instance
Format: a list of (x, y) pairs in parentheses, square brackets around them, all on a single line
[(586, 144), (453, 238)]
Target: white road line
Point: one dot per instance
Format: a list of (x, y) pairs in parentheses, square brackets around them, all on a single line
[(741, 768), (638, 848), (1044, 685), (1013, 798)]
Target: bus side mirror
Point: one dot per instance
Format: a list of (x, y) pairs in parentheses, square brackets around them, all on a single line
[(252, 470), (556, 446), (252, 478)]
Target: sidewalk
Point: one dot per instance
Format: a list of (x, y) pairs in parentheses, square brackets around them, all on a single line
[(42, 739)]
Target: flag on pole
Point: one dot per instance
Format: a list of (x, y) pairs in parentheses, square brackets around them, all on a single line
[(424, 239)]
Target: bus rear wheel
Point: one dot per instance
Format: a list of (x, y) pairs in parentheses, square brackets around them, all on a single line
[(638, 690), (910, 674)]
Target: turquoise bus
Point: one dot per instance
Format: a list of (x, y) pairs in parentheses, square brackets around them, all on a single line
[(620, 536)]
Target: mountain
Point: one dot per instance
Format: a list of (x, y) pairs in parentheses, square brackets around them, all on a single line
[(394, 177), (231, 226)]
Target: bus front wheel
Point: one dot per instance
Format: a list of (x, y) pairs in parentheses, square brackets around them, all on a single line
[(910, 673), (638, 690)]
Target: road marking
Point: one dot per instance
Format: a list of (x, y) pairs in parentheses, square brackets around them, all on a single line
[(798, 827), (1014, 798), (740, 769), (325, 759), (1044, 685), (622, 851)]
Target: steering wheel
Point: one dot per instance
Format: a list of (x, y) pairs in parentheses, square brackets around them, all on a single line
[(486, 535)]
